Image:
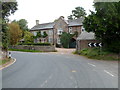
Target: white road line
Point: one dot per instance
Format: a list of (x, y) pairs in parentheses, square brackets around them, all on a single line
[(44, 83), (76, 86), (92, 64), (109, 73), (50, 77)]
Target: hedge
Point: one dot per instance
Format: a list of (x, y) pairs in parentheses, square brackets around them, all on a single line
[(36, 44)]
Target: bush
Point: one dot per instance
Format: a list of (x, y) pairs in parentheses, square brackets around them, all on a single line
[(36, 44), (96, 53)]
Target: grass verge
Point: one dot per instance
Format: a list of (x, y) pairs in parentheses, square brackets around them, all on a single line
[(96, 53), (24, 50), (4, 61)]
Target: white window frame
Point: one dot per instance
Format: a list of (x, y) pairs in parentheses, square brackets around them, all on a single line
[(50, 39), (50, 32), (59, 31), (70, 30), (58, 41), (34, 33)]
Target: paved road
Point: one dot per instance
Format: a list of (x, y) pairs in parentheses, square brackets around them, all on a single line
[(52, 70)]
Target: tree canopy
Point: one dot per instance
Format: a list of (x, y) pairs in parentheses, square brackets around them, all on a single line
[(15, 33), (8, 8), (23, 24), (28, 37), (105, 23), (65, 39), (77, 13)]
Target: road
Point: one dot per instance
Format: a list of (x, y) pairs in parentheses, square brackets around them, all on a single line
[(59, 70)]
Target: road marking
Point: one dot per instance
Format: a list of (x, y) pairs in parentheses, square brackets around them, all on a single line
[(71, 77), (50, 77), (76, 86), (44, 83), (73, 71), (109, 73), (92, 64)]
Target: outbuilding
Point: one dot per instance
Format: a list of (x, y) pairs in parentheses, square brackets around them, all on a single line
[(84, 39)]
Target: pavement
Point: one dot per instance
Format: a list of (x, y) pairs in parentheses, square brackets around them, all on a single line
[(59, 70)]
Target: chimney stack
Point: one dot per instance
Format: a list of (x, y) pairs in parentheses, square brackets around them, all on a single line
[(37, 22)]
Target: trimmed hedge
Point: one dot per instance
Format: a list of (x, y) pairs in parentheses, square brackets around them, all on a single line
[(36, 44)]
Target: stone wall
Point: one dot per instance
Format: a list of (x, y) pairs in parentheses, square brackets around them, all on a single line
[(38, 48)]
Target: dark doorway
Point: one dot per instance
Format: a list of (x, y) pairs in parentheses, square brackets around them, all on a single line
[(72, 43)]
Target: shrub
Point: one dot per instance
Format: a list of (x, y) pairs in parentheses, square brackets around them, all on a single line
[(36, 44)]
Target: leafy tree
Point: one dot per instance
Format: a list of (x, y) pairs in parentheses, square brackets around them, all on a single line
[(28, 37), (65, 39), (104, 22), (23, 24), (15, 33), (77, 13), (70, 17), (8, 8), (44, 34)]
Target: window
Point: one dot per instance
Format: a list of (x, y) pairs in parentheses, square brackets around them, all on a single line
[(58, 41), (42, 33), (60, 31), (50, 40), (83, 29), (50, 32), (70, 30), (34, 33)]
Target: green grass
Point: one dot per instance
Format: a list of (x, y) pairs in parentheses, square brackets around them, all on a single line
[(96, 53), (4, 61), (24, 50)]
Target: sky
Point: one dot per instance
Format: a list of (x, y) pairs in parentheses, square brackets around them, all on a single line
[(47, 10)]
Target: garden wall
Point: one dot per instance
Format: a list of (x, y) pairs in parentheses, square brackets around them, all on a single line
[(38, 48)]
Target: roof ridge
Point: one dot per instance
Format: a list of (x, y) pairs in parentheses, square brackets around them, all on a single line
[(46, 23)]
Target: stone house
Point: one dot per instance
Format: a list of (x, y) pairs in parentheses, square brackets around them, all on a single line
[(55, 29)]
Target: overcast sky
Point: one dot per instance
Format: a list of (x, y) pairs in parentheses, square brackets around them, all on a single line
[(47, 10)]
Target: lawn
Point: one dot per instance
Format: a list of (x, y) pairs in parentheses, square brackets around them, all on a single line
[(96, 53)]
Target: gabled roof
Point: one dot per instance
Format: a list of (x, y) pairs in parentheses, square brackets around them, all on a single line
[(75, 22), (43, 26), (86, 36)]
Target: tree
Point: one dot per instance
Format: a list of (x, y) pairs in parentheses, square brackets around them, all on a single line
[(104, 22), (28, 37), (23, 24), (15, 33), (77, 13), (44, 34), (70, 17), (65, 39), (8, 8)]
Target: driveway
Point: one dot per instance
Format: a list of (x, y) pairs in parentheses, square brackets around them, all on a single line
[(59, 70)]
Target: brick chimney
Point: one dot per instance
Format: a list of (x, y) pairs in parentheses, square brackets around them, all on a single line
[(37, 22)]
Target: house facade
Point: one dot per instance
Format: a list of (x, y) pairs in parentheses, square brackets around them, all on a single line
[(55, 29)]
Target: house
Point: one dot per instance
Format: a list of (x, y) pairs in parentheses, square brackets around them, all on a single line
[(55, 29), (84, 39)]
